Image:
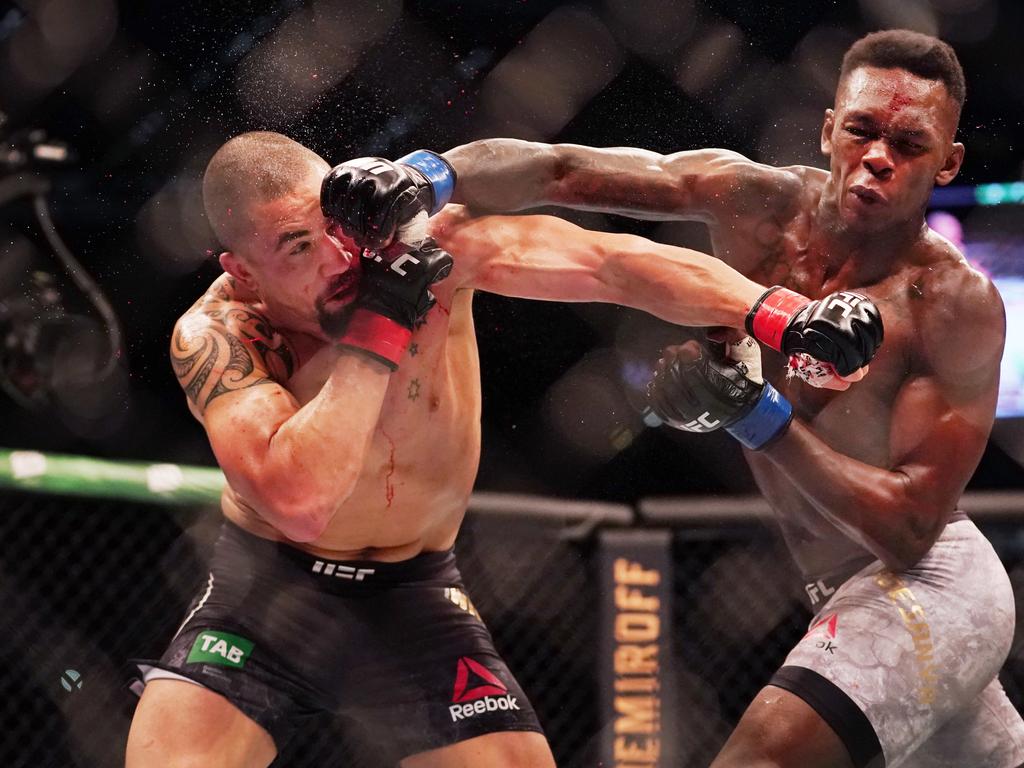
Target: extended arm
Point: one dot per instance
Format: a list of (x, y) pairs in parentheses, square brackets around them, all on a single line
[(295, 465), (373, 198), (510, 175), (544, 257)]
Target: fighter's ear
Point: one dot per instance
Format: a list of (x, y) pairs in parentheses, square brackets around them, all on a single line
[(951, 167), (238, 269), (826, 132)]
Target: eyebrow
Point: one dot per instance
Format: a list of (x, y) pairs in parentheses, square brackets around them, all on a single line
[(864, 117), (287, 237)]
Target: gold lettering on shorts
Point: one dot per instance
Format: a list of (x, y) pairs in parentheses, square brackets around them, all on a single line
[(637, 670), (461, 599), (916, 622)]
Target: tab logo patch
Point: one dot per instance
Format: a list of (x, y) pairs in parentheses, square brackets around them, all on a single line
[(220, 648)]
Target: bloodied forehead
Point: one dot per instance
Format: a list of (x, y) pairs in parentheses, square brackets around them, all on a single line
[(898, 98)]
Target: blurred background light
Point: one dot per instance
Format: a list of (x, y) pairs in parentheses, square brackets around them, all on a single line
[(540, 86)]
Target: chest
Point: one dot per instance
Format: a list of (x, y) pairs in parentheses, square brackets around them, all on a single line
[(436, 375), (859, 418)]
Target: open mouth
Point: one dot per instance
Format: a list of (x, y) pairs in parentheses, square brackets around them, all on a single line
[(345, 286), (866, 195)]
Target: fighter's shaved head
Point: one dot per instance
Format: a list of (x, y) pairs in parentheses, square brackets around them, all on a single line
[(252, 167)]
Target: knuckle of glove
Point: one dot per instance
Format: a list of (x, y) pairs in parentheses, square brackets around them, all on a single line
[(437, 262), (831, 334), (700, 395), (666, 407), (842, 351), (732, 392), (869, 323)]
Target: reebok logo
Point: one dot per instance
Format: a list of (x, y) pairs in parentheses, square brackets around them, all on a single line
[(829, 623), (477, 690), (220, 648)]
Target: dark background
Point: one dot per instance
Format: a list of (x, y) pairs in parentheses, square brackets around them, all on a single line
[(144, 92)]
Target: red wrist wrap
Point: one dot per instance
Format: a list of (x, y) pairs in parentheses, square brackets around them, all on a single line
[(380, 336), (768, 318)]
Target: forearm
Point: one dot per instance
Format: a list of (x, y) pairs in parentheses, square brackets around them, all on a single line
[(503, 175), (544, 257), (875, 507), (314, 459), (678, 285)]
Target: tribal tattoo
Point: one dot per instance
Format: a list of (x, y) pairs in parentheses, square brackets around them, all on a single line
[(227, 349)]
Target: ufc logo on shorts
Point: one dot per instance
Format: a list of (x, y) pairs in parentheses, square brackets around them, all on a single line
[(816, 590), (702, 423), (342, 571), (845, 301)]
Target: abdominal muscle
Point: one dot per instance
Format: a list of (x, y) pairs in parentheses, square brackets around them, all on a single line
[(421, 464)]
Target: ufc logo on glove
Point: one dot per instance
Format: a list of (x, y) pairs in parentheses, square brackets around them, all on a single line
[(702, 423), (846, 301), (397, 264)]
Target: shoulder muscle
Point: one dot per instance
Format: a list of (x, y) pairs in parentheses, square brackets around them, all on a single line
[(963, 325), (224, 348)]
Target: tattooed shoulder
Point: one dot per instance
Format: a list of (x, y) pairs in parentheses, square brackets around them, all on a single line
[(226, 348)]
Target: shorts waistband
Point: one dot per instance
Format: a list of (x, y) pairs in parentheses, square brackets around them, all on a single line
[(324, 572), (820, 587)]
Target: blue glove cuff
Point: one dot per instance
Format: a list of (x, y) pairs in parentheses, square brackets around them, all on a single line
[(767, 420), (439, 173)]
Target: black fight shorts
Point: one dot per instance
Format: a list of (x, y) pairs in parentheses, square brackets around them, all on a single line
[(397, 647)]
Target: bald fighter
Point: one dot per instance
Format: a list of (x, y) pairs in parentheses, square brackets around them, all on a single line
[(914, 611), (341, 396)]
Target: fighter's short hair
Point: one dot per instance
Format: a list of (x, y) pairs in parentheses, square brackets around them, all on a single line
[(917, 53), (258, 166)]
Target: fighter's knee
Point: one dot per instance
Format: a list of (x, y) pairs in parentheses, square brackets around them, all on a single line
[(531, 750), (157, 755), (507, 749), (152, 760), (746, 755), (536, 760), (746, 759)]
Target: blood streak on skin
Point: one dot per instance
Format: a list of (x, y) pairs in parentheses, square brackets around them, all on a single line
[(389, 488), (898, 102)]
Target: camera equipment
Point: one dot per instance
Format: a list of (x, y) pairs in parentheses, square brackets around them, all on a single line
[(43, 347)]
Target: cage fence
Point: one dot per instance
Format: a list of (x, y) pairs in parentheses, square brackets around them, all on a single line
[(88, 583)]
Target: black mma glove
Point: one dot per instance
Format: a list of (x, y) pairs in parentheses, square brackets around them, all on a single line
[(843, 329), (370, 198), (393, 297), (698, 389)]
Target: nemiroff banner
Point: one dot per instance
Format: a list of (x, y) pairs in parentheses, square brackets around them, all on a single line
[(635, 637)]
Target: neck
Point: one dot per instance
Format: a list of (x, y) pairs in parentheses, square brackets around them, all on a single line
[(873, 253)]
